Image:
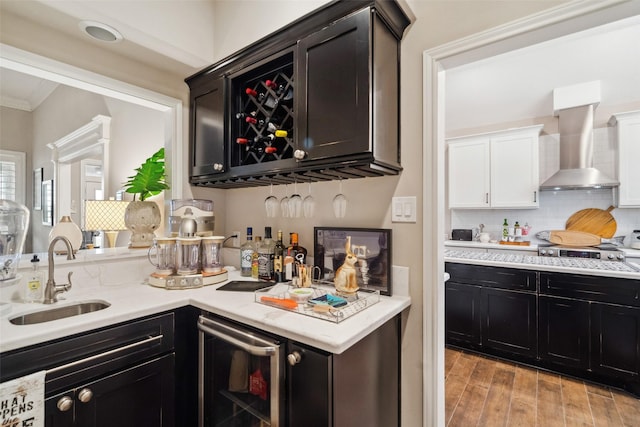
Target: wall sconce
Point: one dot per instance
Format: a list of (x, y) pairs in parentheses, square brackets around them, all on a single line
[(105, 215)]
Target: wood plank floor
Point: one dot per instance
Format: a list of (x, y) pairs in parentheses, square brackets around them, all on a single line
[(481, 391)]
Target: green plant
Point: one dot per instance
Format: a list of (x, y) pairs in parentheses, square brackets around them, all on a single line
[(150, 178)]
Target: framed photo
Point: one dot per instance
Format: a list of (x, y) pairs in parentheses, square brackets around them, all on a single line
[(37, 189), (371, 247), (47, 202)]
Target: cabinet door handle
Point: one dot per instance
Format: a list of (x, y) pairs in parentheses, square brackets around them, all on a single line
[(486, 198), (85, 395), (148, 340), (535, 197), (64, 403), (299, 154)]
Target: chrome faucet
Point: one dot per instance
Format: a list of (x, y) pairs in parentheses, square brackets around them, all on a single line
[(52, 290)]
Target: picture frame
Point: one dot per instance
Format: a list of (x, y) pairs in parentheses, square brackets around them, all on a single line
[(37, 189), (47, 202), (371, 246)]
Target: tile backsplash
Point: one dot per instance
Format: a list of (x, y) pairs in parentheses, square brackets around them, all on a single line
[(557, 206)]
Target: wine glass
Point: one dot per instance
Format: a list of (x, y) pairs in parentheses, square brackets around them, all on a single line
[(295, 203), (271, 204), (309, 204), (284, 204), (340, 204)]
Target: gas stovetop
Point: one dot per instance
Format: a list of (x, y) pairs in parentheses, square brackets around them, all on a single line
[(604, 252), (555, 261)]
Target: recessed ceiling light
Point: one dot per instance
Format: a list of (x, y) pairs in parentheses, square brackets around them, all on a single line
[(100, 31)]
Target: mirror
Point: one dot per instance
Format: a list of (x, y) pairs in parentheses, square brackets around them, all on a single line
[(140, 122)]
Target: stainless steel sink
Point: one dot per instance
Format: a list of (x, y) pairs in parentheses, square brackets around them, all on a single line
[(59, 312)]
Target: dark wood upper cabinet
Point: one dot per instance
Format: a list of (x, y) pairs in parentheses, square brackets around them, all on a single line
[(330, 80)]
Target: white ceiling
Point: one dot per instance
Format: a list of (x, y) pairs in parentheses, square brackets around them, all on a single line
[(519, 84)]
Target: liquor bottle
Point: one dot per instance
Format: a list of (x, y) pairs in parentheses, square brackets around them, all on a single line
[(246, 253), (505, 230), (298, 252), (278, 256), (265, 256), (255, 261)]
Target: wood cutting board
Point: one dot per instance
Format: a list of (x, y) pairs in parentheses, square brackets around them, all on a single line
[(595, 221), (571, 238)]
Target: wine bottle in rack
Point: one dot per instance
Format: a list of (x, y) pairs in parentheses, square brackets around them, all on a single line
[(273, 130), (243, 115), (254, 93), (254, 121), (277, 88)]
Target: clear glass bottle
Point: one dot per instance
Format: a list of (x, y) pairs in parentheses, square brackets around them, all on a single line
[(247, 250), (34, 289), (265, 256)]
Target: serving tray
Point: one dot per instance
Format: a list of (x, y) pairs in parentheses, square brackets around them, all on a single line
[(363, 299)]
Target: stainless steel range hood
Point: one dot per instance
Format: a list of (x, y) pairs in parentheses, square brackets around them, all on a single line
[(576, 153)]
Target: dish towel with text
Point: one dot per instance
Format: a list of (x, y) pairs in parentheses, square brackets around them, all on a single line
[(22, 401)]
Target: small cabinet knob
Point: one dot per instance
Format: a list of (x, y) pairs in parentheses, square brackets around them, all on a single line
[(299, 154), (64, 403), (217, 166), (85, 395), (294, 358)]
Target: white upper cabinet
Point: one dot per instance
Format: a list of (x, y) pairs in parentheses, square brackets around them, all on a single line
[(495, 170), (628, 130)]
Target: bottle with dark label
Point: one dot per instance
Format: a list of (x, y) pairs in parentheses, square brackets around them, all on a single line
[(298, 252), (505, 230), (265, 256), (246, 254), (278, 256)]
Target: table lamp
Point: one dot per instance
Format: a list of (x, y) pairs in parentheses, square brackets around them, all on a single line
[(105, 215)]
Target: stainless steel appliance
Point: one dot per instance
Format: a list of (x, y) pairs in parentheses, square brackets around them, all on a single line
[(608, 253), (196, 211), (241, 376)]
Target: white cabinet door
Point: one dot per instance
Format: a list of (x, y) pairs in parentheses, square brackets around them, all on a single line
[(629, 159), (469, 173), (514, 170), (495, 170)]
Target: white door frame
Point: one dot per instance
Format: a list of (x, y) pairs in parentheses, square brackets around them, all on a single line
[(552, 23)]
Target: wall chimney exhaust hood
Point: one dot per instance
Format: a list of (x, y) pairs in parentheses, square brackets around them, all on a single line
[(575, 106)]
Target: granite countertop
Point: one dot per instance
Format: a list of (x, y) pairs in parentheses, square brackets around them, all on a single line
[(132, 298)]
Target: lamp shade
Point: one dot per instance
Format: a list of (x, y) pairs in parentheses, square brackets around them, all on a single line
[(107, 215)]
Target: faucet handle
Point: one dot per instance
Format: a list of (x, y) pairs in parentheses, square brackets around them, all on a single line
[(67, 286)]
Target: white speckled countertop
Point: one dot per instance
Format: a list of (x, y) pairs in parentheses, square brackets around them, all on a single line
[(526, 257), (120, 281)]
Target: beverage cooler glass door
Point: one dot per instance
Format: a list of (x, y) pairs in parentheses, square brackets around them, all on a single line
[(241, 376)]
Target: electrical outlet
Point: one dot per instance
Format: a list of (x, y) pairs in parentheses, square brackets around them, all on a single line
[(236, 240)]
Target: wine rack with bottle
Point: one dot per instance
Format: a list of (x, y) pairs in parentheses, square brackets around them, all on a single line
[(262, 113), (316, 100)]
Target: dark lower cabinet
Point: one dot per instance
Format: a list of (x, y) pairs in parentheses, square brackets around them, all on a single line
[(462, 314), (359, 387), (138, 396), (584, 326), (491, 309), (564, 331), (509, 321), (616, 340), (121, 375)]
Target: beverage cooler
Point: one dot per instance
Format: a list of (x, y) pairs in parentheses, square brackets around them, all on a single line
[(241, 376)]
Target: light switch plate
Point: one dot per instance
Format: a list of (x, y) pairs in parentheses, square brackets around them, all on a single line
[(403, 209)]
